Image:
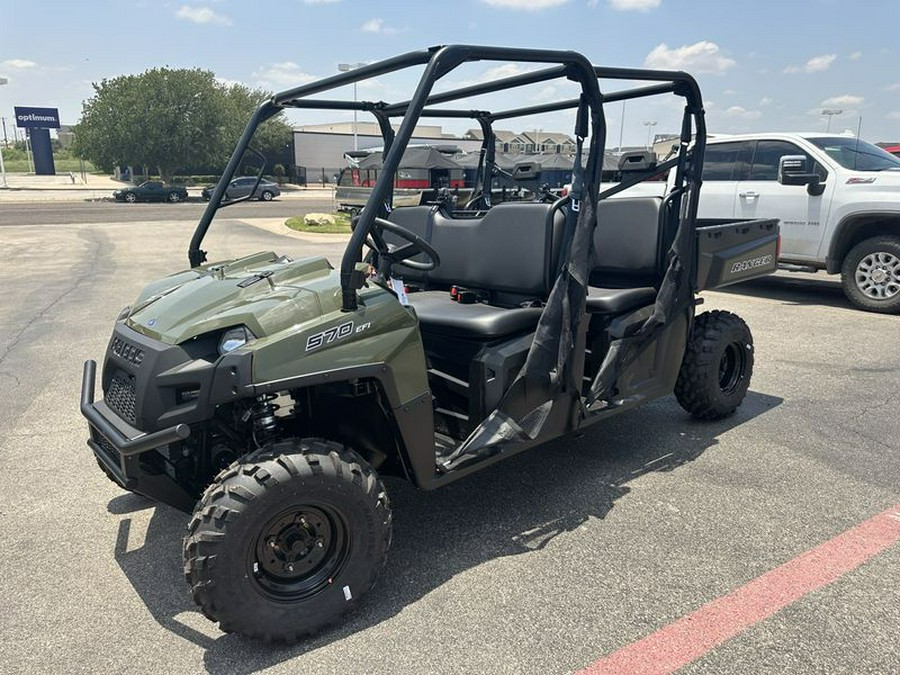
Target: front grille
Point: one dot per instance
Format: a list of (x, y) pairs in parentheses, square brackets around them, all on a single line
[(131, 353), (120, 396)]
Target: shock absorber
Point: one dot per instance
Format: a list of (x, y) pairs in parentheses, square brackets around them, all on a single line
[(262, 414)]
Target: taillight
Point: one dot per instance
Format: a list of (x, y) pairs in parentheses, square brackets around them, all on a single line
[(778, 248)]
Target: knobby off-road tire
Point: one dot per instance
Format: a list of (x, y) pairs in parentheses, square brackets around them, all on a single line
[(717, 366), (287, 539), (870, 275)]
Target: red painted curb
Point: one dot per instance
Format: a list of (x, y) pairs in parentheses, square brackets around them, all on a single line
[(695, 634)]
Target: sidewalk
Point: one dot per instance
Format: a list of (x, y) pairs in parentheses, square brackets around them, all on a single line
[(28, 188)]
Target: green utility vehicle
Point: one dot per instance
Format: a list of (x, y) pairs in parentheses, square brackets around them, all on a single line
[(266, 395)]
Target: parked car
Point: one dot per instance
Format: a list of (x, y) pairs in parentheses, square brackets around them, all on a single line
[(241, 187), (151, 191)]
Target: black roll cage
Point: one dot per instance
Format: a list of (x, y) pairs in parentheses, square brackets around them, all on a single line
[(438, 62)]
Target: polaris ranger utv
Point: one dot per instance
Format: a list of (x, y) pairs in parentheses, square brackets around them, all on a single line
[(265, 395)]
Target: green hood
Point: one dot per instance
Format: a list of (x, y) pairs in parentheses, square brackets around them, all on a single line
[(263, 291)]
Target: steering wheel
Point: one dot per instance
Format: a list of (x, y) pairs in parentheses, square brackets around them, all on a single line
[(388, 255)]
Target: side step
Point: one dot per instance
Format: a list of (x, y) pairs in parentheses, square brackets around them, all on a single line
[(793, 267)]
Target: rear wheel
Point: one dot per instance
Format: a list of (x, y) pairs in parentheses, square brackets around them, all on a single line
[(287, 540), (174, 197), (870, 275), (717, 366), (266, 195)]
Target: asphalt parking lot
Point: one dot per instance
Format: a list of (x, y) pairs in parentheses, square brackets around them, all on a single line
[(582, 554)]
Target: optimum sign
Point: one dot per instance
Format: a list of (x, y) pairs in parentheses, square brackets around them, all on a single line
[(37, 118)]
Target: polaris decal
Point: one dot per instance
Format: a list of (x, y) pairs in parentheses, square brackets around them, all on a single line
[(336, 333), (751, 264)]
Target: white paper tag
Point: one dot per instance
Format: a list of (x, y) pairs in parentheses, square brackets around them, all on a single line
[(348, 596), (400, 290)]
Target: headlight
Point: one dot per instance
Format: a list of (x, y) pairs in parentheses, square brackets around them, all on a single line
[(234, 338), (126, 310)]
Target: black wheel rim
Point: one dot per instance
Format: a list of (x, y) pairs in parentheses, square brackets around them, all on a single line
[(300, 552), (731, 367)]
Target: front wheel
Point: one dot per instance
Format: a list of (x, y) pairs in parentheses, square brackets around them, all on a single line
[(870, 275), (287, 539), (130, 197), (717, 366)]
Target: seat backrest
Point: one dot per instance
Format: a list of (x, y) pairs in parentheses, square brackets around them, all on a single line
[(628, 243), (514, 248)]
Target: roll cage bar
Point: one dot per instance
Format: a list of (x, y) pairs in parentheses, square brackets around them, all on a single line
[(438, 62)]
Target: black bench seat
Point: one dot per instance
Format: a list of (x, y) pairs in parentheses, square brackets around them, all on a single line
[(618, 300), (478, 321)]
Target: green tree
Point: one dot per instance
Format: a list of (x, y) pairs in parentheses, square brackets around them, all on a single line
[(171, 119), (270, 138)]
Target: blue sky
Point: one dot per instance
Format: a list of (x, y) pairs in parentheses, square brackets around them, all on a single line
[(761, 64)]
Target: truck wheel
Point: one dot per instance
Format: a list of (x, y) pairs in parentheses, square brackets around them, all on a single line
[(287, 539), (870, 274), (717, 366)]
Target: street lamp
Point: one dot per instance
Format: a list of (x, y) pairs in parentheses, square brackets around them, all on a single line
[(829, 113), (346, 67), (649, 124), (3, 80)]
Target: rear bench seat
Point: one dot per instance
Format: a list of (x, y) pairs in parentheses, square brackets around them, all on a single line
[(628, 255), (510, 252), (513, 252)]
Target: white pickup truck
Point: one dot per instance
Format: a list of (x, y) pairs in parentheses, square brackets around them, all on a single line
[(837, 197)]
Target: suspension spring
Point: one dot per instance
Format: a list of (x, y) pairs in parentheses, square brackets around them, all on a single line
[(265, 424)]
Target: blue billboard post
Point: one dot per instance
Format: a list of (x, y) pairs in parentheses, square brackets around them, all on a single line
[(39, 121)]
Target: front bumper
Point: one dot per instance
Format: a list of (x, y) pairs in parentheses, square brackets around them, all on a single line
[(118, 447)]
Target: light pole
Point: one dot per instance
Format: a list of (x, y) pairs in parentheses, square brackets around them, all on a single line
[(3, 80), (829, 113), (346, 67), (649, 124)]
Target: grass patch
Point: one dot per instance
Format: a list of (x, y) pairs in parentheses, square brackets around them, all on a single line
[(61, 165), (341, 224)]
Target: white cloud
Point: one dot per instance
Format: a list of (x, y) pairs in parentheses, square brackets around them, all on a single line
[(282, 76), (202, 15), (700, 57), (377, 26), (634, 5), (372, 26), (845, 101), (730, 92), (890, 87), (229, 83), (320, 2), (525, 5), (855, 56), (497, 72), (894, 115), (742, 113), (765, 101), (815, 65), (18, 64), (545, 95)]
